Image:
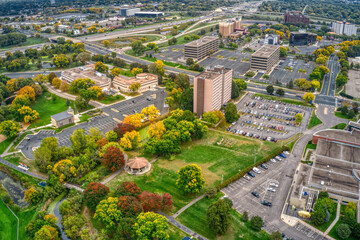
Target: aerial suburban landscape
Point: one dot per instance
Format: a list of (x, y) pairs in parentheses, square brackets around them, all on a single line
[(179, 120)]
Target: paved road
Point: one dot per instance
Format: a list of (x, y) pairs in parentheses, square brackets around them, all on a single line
[(29, 74)]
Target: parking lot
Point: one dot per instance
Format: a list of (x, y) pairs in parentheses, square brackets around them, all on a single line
[(285, 76), (269, 120)]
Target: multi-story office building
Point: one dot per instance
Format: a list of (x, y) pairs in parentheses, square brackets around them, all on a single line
[(212, 89), (201, 48), (230, 26), (296, 18), (344, 28), (265, 58), (128, 12), (302, 38), (272, 39)]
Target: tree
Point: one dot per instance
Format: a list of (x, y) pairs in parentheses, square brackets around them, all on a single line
[(131, 140), (101, 67), (115, 71), (157, 68), (135, 86), (283, 52), (81, 83), (298, 117), (28, 91), (270, 89), (151, 202), (151, 45), (343, 231), (129, 206), (137, 47), (113, 159), (182, 81), (189, 61), (47, 232), (276, 236), (190, 179), (256, 223), (111, 136), (79, 140), (106, 43), (73, 224), (134, 120), (321, 60), (150, 112), (315, 84), (280, 92), (341, 80), (151, 226), (127, 189), (27, 114), (61, 61), (64, 169), (231, 114), (242, 85), (56, 82), (108, 213), (94, 193), (12, 84), (309, 97), (234, 90), (218, 216), (83, 57), (156, 130), (32, 196), (122, 128), (212, 116), (9, 128), (245, 216)]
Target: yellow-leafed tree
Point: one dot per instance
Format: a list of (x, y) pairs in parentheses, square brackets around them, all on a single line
[(130, 140), (134, 120), (150, 112), (156, 130)]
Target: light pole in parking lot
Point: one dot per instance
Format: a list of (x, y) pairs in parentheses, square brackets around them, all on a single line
[(254, 160)]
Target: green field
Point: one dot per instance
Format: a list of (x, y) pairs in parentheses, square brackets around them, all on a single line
[(333, 233), (195, 218), (8, 223), (5, 144), (46, 107), (120, 42), (285, 100), (339, 126), (216, 161), (28, 42), (111, 99), (340, 115), (314, 121)]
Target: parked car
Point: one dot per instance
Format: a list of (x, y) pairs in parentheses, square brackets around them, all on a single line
[(228, 129), (272, 184), (273, 160), (286, 152), (251, 174), (244, 133), (255, 194), (266, 203), (264, 166), (256, 170), (278, 158), (282, 155), (271, 189), (247, 177)]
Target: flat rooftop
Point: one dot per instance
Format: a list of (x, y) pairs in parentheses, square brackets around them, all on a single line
[(265, 51), (352, 137), (213, 72), (201, 41)]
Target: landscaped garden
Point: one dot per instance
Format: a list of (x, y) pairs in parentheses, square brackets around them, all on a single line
[(120, 42), (314, 121)]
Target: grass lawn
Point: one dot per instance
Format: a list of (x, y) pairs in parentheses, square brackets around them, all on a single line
[(28, 42), (5, 144), (8, 223), (25, 216), (195, 219), (340, 115), (285, 100), (84, 117), (125, 41), (325, 226), (333, 233), (314, 121), (214, 160), (339, 126), (143, 134), (111, 99), (47, 107), (309, 145)]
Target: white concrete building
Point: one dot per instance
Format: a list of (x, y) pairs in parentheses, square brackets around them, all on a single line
[(344, 28)]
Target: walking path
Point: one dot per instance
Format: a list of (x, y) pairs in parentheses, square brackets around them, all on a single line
[(190, 232), (188, 205), (336, 219)]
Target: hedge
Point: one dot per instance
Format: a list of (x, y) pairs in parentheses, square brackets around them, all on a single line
[(346, 95), (246, 170)]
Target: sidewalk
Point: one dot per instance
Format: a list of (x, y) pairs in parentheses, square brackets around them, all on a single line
[(336, 219)]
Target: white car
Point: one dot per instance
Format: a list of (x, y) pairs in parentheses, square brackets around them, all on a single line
[(241, 132), (256, 170), (286, 152), (247, 177), (273, 160), (271, 189), (272, 184), (278, 158)]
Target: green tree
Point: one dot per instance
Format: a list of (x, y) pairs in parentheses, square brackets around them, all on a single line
[(343, 231), (157, 68), (231, 114), (108, 213), (242, 85), (280, 92), (47, 232), (9, 128), (137, 47), (234, 90), (276, 236), (256, 223), (245, 216), (283, 52), (83, 57), (270, 89), (61, 61), (189, 61), (79, 140), (218, 217), (150, 225), (101, 67), (190, 179), (309, 97), (298, 117)]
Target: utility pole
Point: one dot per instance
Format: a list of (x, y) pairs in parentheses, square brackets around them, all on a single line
[(254, 160)]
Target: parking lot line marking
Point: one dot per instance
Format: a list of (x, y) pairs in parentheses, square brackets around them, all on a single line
[(114, 110)]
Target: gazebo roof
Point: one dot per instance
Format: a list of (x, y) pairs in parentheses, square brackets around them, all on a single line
[(137, 163)]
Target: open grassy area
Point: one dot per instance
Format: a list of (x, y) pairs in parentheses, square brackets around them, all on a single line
[(46, 107), (214, 160), (5, 144), (325, 226), (334, 234), (309, 145), (29, 41), (339, 126), (111, 99), (125, 41), (25, 216), (314, 121), (285, 100), (195, 218), (8, 223), (340, 115)]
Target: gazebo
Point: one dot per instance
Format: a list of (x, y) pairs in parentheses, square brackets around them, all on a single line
[(137, 165)]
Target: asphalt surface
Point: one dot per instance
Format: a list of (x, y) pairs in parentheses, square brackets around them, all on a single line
[(107, 121)]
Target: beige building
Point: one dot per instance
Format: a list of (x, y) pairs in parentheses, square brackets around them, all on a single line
[(265, 58), (147, 81), (230, 26), (87, 71), (63, 118), (212, 89), (201, 48)]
